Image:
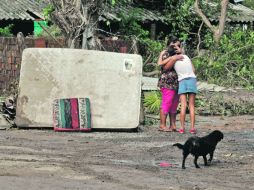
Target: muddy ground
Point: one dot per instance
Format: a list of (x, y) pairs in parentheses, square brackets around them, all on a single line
[(43, 159)]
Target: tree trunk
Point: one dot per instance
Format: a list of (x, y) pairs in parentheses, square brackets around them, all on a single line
[(72, 40), (216, 36), (78, 20), (216, 30), (89, 41), (223, 17), (21, 42)]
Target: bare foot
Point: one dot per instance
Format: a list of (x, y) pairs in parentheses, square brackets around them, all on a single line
[(165, 129)]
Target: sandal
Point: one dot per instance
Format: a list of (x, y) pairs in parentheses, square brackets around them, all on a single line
[(172, 129), (165, 129), (181, 131), (193, 131)]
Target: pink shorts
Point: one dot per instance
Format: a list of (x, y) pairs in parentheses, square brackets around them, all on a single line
[(169, 101)]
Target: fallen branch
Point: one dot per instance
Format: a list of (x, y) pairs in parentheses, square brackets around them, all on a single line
[(152, 73), (50, 34), (152, 116), (199, 38), (236, 50), (146, 61), (152, 64), (233, 73)]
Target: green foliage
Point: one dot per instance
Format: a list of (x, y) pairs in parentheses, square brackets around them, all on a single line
[(206, 104), (221, 104), (130, 26), (152, 101), (131, 20), (249, 3), (47, 11), (180, 17), (113, 2), (53, 30), (231, 63), (6, 31)]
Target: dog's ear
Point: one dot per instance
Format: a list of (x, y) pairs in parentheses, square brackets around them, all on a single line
[(221, 134)]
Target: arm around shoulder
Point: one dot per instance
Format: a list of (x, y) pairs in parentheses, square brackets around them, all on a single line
[(160, 61), (171, 62)]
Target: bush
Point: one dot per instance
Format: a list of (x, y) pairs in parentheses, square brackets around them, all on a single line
[(231, 63), (152, 102), (53, 30), (6, 31)]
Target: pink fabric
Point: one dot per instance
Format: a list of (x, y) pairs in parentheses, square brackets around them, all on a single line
[(170, 100), (74, 113), (165, 164)]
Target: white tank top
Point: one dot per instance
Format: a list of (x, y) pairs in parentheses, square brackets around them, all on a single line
[(184, 69)]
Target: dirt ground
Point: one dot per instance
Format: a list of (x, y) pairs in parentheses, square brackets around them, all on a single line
[(44, 159)]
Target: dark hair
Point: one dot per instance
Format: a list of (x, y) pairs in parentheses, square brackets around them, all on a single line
[(171, 51), (172, 39)]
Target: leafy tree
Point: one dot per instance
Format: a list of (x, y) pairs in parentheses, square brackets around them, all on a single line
[(231, 62), (130, 27), (217, 30), (249, 3), (180, 17), (6, 31)]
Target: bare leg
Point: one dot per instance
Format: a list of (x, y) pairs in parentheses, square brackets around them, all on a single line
[(172, 117), (173, 111), (183, 101), (192, 109), (163, 118)]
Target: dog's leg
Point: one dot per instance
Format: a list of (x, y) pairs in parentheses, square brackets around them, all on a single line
[(195, 162), (211, 157), (205, 160), (184, 158)]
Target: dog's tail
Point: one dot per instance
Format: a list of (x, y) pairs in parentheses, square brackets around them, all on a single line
[(180, 146)]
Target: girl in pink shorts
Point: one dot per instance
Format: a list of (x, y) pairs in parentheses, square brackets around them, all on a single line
[(168, 84), (169, 101)]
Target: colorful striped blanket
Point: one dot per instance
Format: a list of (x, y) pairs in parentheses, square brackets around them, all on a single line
[(72, 114)]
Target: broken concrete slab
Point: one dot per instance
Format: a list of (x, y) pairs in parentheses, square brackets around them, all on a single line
[(112, 81)]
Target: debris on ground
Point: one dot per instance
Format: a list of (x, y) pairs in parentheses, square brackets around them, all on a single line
[(7, 113)]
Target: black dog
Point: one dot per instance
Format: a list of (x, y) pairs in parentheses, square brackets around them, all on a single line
[(200, 146)]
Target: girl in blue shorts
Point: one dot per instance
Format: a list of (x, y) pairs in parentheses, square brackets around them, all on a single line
[(187, 90)]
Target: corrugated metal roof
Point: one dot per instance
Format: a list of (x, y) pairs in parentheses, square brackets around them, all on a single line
[(113, 13), (241, 13), (19, 9)]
